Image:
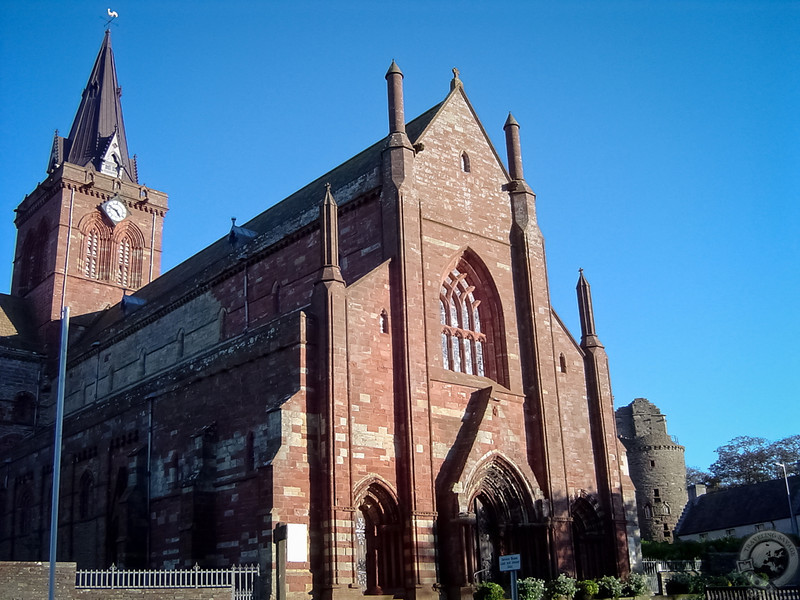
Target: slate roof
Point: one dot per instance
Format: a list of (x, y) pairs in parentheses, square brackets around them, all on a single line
[(16, 325), (98, 118), (277, 222), (743, 505)]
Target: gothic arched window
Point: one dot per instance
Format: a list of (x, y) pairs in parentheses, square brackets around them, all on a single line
[(31, 262), (470, 317), (94, 257), (128, 244), (124, 261)]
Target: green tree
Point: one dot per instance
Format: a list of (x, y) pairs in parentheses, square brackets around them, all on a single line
[(747, 459), (694, 476)]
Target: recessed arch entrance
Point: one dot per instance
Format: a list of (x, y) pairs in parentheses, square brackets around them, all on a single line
[(498, 513), (587, 535), (379, 540)]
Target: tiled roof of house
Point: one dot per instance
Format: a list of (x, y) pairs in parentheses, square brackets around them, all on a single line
[(743, 505)]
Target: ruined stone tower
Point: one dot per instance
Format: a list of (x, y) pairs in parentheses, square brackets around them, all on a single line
[(657, 468)]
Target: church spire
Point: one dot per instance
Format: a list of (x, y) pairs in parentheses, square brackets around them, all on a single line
[(588, 333), (97, 135)]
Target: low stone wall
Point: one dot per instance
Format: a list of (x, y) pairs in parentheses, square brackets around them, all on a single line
[(30, 581)]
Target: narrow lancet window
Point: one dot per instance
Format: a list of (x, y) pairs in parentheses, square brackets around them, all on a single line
[(92, 254)]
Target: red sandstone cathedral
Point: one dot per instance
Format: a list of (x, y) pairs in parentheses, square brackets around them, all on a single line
[(364, 389)]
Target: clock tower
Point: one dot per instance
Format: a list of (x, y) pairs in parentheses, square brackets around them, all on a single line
[(89, 233)]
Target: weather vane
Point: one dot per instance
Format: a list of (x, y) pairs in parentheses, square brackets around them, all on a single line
[(112, 14)]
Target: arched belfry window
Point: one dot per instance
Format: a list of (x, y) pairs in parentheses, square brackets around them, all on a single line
[(128, 245), (471, 321), (112, 255), (93, 253), (31, 262), (95, 248)]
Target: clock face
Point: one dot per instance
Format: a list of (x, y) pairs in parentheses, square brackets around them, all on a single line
[(115, 210)]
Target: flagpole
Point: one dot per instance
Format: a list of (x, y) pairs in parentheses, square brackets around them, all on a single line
[(62, 371)]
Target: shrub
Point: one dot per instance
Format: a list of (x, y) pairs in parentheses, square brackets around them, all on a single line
[(610, 586), (587, 589), (686, 583), (530, 588), (561, 587), (488, 590), (637, 584), (737, 579)]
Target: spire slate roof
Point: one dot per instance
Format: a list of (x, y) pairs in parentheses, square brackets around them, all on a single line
[(97, 135)]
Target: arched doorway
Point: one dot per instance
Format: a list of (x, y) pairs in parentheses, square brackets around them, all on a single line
[(505, 521), (379, 542), (588, 538)]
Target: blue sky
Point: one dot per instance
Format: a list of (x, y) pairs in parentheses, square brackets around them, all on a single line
[(662, 139)]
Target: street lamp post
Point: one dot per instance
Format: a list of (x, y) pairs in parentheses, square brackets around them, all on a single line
[(789, 498)]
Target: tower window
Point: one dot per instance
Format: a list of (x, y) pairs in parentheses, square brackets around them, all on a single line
[(91, 265), (562, 363), (124, 262), (656, 495), (128, 243), (129, 262), (384, 322)]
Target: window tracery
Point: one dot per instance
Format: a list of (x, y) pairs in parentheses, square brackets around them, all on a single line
[(129, 261), (115, 256), (470, 319)]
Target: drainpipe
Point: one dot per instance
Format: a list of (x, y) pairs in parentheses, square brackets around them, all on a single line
[(149, 455), (66, 252)]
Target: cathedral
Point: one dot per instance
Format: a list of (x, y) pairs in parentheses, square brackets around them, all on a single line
[(364, 389)]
